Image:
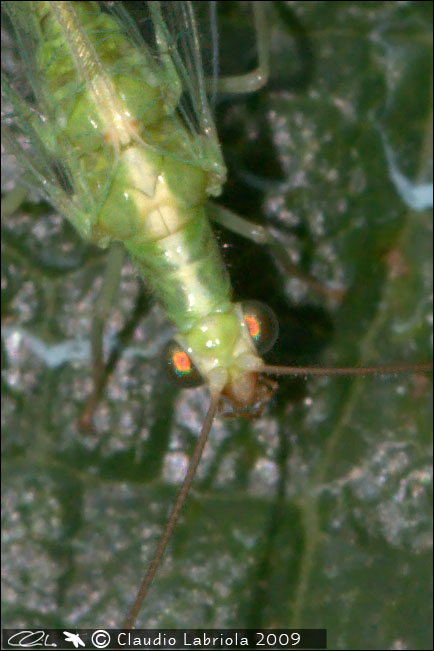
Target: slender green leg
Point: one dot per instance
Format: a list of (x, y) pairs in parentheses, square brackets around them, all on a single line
[(103, 306), (247, 83), (261, 235), (257, 78)]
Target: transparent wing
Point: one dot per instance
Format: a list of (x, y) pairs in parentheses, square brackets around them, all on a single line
[(70, 69), (27, 119)]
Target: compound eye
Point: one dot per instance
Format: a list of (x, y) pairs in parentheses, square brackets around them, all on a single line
[(180, 368), (262, 325)]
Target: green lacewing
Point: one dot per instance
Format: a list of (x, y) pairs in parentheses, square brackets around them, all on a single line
[(122, 450)]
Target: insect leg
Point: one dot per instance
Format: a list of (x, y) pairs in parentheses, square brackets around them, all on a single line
[(261, 235), (257, 78), (103, 306)]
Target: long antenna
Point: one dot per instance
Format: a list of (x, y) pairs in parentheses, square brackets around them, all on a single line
[(344, 370), (173, 517)]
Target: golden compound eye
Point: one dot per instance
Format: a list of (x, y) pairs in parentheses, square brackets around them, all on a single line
[(180, 368), (261, 323)]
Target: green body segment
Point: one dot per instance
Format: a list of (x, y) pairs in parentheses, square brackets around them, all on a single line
[(138, 173), (186, 271), (123, 128)]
